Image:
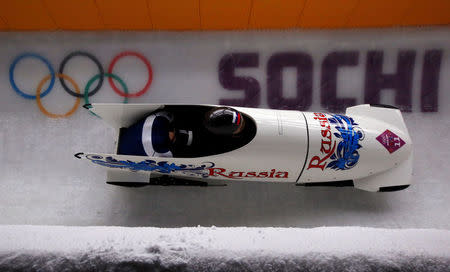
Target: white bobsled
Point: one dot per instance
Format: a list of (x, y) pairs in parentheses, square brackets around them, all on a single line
[(369, 148)]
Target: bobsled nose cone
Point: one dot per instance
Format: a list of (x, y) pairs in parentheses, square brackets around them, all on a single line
[(391, 163)]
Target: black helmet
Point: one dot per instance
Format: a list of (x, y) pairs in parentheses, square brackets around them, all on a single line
[(183, 137), (224, 121)]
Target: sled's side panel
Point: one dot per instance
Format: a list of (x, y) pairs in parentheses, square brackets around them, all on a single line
[(123, 115), (181, 167)]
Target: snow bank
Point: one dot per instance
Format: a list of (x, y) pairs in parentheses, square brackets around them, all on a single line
[(56, 248)]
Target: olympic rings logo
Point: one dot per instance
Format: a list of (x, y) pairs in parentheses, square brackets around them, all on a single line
[(75, 92)]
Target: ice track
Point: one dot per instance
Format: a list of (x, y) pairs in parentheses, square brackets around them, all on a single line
[(42, 183)]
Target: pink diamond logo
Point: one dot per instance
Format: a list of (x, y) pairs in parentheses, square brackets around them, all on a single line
[(390, 141)]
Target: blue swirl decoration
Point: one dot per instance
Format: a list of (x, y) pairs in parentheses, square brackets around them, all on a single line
[(350, 134), (150, 165)]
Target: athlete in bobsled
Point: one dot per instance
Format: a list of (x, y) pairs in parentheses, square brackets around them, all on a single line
[(153, 136), (157, 136)]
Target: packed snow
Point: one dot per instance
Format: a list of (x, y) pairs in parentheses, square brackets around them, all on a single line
[(57, 248)]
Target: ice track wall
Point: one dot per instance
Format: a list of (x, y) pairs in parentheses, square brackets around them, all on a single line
[(41, 182)]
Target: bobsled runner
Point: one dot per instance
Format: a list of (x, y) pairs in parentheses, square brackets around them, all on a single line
[(369, 147)]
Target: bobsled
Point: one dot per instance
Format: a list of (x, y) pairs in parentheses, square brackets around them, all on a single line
[(368, 147)]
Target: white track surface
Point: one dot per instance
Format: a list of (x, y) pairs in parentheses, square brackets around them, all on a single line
[(42, 183), (223, 249)]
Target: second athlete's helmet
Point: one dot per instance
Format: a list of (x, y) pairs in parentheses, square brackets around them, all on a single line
[(224, 121)]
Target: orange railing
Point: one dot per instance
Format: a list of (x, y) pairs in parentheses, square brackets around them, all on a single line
[(218, 14)]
